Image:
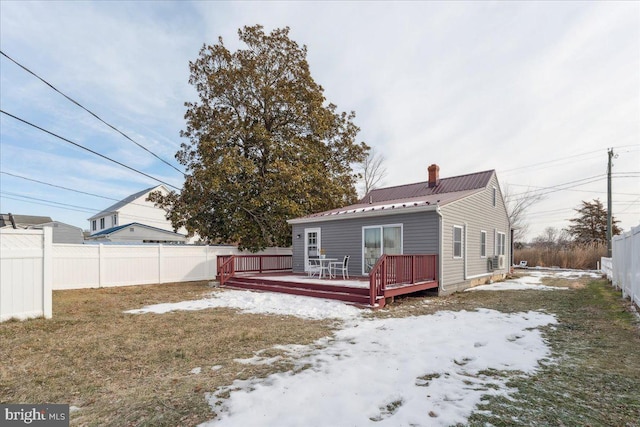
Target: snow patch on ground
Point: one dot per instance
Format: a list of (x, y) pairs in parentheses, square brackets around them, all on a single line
[(534, 281), (522, 283), (423, 371), (431, 370), (262, 303)]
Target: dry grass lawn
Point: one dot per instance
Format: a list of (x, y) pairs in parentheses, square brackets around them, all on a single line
[(123, 369)]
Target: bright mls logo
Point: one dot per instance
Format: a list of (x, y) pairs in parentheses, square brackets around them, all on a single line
[(34, 415)]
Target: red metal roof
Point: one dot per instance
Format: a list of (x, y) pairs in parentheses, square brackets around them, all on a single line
[(418, 195), (454, 184)]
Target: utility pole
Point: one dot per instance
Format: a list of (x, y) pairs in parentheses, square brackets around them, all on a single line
[(609, 214)]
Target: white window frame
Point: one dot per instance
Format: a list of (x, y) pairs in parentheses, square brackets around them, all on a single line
[(453, 241), (101, 223), (114, 219), (495, 196), (501, 243), (483, 244), (94, 225), (381, 228)]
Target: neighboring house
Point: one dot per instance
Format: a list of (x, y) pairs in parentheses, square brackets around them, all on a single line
[(62, 233), (134, 209), (137, 233), (462, 219)]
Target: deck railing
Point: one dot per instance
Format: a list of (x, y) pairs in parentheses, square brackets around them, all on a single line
[(229, 265), (393, 270)]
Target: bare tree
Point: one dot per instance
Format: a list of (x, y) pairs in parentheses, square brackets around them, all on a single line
[(373, 171), (517, 205)]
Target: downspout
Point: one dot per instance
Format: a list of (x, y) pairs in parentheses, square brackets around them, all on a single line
[(440, 243), (464, 251)]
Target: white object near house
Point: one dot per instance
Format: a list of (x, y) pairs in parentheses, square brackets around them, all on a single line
[(135, 209)]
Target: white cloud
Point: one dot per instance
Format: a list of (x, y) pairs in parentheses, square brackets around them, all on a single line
[(470, 86)]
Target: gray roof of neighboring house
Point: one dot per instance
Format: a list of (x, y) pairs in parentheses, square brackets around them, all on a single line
[(124, 202), (412, 196), (23, 219), (137, 224)]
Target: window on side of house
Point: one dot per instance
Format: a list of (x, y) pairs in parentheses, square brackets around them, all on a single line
[(101, 223), (495, 196), (94, 226), (114, 220), (457, 241), (501, 241), (483, 244)]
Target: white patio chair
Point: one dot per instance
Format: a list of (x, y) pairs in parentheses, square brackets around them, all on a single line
[(341, 266), (314, 267)]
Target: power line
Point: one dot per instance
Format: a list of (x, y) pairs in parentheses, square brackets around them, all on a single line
[(90, 112), (87, 149), (57, 186), (506, 171), (72, 189), (550, 161), (7, 195), (65, 206), (555, 188)]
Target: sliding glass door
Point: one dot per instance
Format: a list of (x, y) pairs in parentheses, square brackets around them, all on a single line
[(378, 240)]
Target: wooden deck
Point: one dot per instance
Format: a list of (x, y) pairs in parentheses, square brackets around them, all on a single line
[(393, 275)]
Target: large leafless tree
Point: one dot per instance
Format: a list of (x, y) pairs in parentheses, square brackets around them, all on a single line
[(517, 205), (373, 171)]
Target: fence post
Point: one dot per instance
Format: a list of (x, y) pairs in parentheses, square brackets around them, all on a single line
[(101, 266), (47, 273), (160, 253)]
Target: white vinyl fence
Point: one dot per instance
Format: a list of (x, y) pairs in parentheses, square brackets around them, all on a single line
[(25, 274), (97, 266), (626, 264), (31, 267)]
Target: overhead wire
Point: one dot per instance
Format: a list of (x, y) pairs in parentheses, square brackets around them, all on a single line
[(88, 149), (71, 189), (90, 112), (19, 197), (65, 206)]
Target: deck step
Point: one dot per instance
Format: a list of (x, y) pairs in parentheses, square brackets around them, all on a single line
[(334, 292), (314, 286)]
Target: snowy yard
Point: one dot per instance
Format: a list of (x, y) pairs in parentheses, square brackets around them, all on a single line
[(430, 370), (532, 351)]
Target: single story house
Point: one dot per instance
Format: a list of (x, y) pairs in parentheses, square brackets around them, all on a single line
[(136, 233), (62, 233), (462, 219)]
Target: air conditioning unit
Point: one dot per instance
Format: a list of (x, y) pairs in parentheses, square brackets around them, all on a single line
[(493, 263), (501, 261)]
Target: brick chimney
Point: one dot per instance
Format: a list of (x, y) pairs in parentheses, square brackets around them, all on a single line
[(434, 175)]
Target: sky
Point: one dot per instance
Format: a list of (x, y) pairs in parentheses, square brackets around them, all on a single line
[(427, 369), (538, 91)]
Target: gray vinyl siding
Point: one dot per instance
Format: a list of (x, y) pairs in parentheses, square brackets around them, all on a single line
[(64, 233), (475, 213), (344, 237)]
